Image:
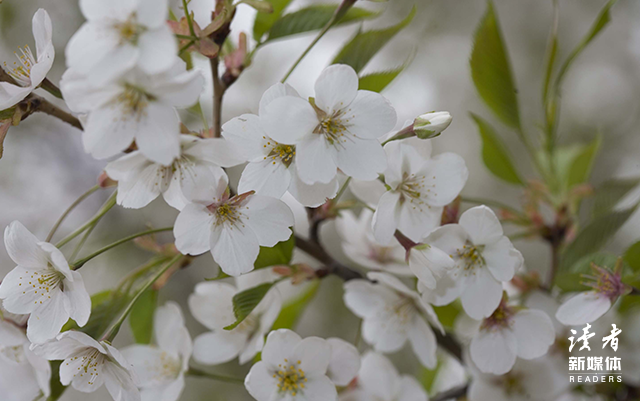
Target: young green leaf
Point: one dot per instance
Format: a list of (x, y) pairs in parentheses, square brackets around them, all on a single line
[(141, 316), (594, 236), (364, 45), (314, 18), (632, 257), (582, 164), (494, 154), (279, 254), (246, 301), (491, 70), (378, 81), (264, 22), (611, 192), (292, 310)]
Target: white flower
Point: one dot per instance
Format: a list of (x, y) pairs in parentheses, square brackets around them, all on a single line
[(24, 376), (160, 369), (141, 180), (136, 107), (233, 229), (379, 380), (587, 307), (272, 166), (212, 305), (431, 125), (419, 190), (292, 368), (88, 364), (29, 71), (119, 35), (484, 258), (360, 246), (339, 130), (345, 362), (508, 333), (393, 314), (42, 284), (429, 264)]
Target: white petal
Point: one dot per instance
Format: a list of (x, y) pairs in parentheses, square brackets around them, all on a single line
[(120, 384), (345, 362), (17, 382), (279, 346), (11, 94), (236, 249), (66, 345), (370, 115), (142, 186), (411, 390), (312, 195), (378, 376), (113, 63), (152, 13), (157, 50), (22, 247), (583, 308), (260, 383), (43, 35), (403, 160), (82, 96), (158, 135), (269, 219), (192, 229), (482, 295), (363, 159), (314, 354), (147, 361), (445, 175), (362, 298), (429, 264), (79, 299), (502, 259), (289, 119), (219, 347), (48, 318), (423, 342), (386, 332), (274, 92), (480, 390), (314, 160), (120, 168), (534, 333), (385, 219), (482, 225), (391, 282), (248, 136), (90, 44), (494, 351), (211, 304), (367, 191), (449, 238), (97, 9), (10, 335), (336, 88), (218, 151), (72, 371), (267, 177), (416, 220), (169, 328), (181, 89), (189, 178), (108, 131), (320, 388)]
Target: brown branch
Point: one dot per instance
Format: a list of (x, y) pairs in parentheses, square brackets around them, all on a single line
[(42, 105), (218, 93), (449, 343), (454, 393)]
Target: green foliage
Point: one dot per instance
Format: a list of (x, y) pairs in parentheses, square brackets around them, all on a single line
[(364, 45), (491, 70), (494, 154), (314, 18), (246, 301), (141, 316), (279, 254), (581, 166), (264, 22), (594, 236), (570, 282), (378, 81), (610, 193), (447, 314), (632, 257), (292, 310)]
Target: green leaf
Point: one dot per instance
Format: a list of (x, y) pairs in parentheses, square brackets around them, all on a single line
[(104, 307), (491, 70), (447, 314), (246, 301), (582, 164), (279, 254), (494, 154), (314, 18), (364, 45), (632, 257), (264, 22), (292, 310), (594, 236), (141, 316), (611, 192), (7, 114), (570, 282), (378, 81)]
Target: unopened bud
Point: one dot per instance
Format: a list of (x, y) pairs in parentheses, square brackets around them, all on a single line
[(431, 125)]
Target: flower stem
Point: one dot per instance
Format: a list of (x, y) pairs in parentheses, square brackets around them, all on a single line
[(342, 189), (79, 263), (103, 210), (218, 93), (115, 327), (51, 88), (69, 209), (199, 373)]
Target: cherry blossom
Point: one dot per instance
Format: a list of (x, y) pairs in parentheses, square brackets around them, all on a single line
[(212, 305), (120, 35), (141, 180), (88, 364), (338, 129), (30, 70), (431, 125), (392, 315), (160, 369), (42, 284)]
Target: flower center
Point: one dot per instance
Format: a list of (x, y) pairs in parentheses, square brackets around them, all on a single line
[(42, 282), (333, 126), (168, 369), (134, 100), (183, 166), (605, 282), (281, 151), (89, 363), (471, 257), (21, 70), (500, 318), (14, 353), (290, 379), (512, 384), (404, 309), (129, 31)]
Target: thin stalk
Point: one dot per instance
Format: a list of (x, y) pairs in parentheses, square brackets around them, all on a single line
[(199, 373), (69, 209), (83, 240), (342, 189), (79, 263), (218, 94), (103, 210), (113, 330), (51, 88), (186, 46)]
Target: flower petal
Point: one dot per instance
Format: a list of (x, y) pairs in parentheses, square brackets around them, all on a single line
[(47, 319), (10, 94), (279, 346), (236, 249), (218, 347), (314, 354), (269, 219), (169, 329), (345, 362), (411, 390), (312, 195), (260, 383), (143, 185), (158, 136), (315, 161), (369, 192), (362, 298), (192, 229), (370, 115), (378, 376), (211, 304), (23, 248), (494, 350), (482, 225), (146, 360), (274, 92), (417, 219), (534, 333), (248, 136), (320, 388), (119, 383), (218, 151), (178, 87), (289, 119), (336, 88), (429, 264), (266, 177), (445, 176), (482, 295), (79, 299), (502, 259), (586, 307), (423, 342), (363, 159), (386, 216), (152, 13), (108, 132)]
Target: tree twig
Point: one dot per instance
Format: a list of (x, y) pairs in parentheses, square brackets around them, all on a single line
[(454, 393), (219, 89)]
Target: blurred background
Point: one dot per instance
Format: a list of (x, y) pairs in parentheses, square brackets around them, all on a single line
[(44, 167)]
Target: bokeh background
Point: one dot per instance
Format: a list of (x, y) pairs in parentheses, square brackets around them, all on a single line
[(44, 167)]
